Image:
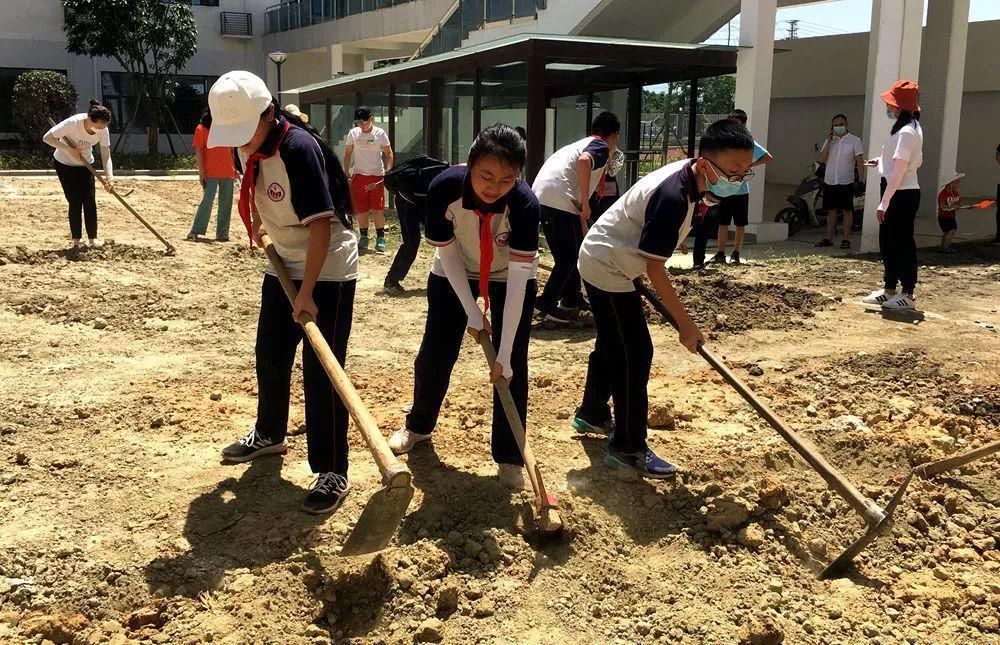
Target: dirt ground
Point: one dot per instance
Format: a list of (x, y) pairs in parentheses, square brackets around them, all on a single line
[(125, 372)]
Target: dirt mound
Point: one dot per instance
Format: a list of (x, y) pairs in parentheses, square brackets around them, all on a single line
[(110, 252), (723, 305)]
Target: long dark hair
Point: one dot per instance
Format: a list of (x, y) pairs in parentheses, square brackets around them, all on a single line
[(905, 118), (340, 186), (206, 118)]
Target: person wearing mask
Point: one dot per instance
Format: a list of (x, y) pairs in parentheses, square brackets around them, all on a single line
[(82, 131), (902, 156), (296, 191), (218, 175), (735, 207), (484, 220), (564, 186), (635, 237), (369, 150), (844, 158)]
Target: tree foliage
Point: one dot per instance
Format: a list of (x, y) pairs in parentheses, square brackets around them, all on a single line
[(716, 95), (152, 40), (37, 96)]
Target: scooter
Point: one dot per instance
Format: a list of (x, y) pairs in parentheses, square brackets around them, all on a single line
[(804, 202)]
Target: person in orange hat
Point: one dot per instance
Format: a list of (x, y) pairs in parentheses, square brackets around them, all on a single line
[(902, 155)]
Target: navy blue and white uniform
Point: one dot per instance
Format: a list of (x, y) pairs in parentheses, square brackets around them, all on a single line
[(557, 186), (453, 218), (292, 192), (648, 222)]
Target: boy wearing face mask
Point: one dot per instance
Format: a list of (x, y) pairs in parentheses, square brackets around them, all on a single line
[(844, 156), (635, 237)]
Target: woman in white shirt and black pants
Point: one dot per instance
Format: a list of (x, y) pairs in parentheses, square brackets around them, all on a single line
[(902, 155), (82, 131)]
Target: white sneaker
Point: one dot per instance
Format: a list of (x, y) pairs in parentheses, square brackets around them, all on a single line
[(901, 301), (876, 297), (79, 244), (403, 440), (511, 476), (96, 243)]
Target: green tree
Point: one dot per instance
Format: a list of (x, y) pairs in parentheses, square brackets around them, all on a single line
[(717, 94), (152, 40), (37, 96)]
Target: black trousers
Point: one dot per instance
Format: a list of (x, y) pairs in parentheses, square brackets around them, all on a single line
[(410, 219), (700, 226), (619, 367), (443, 334), (896, 242), (564, 235), (278, 336), (78, 187)]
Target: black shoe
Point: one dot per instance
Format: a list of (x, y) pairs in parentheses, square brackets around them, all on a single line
[(824, 242), (644, 463), (582, 425), (734, 258), (327, 494), (845, 245), (718, 258), (252, 446), (699, 267), (393, 288), (559, 314), (584, 305)]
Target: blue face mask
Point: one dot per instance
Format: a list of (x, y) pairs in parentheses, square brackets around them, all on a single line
[(840, 130), (890, 115), (725, 188)]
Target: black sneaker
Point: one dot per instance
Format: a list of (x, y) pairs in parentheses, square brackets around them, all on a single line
[(252, 446), (582, 425), (718, 258), (559, 314), (393, 288), (824, 242), (645, 463), (328, 492), (734, 258)]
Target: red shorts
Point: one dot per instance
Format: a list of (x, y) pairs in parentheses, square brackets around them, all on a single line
[(365, 200)]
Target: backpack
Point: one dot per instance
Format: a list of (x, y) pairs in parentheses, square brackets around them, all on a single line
[(412, 178)]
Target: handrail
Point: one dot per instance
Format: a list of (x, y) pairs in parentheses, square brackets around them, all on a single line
[(436, 30)]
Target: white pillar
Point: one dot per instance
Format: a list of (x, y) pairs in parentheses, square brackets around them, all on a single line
[(942, 81), (893, 54), (754, 65), (336, 59)]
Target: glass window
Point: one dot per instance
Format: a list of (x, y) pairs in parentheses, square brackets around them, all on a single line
[(189, 101), (411, 121), (571, 119), (505, 95), (341, 121), (457, 126), (8, 76)]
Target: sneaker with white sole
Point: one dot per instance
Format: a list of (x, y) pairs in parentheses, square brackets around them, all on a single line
[(403, 440), (78, 244), (252, 446), (328, 492), (876, 297), (96, 243), (511, 476), (901, 301)]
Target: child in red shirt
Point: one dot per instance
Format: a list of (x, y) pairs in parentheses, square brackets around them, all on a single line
[(948, 205)]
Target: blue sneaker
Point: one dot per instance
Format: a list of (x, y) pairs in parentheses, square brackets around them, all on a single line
[(583, 426), (645, 463)]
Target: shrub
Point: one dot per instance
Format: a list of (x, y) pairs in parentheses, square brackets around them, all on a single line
[(37, 96)]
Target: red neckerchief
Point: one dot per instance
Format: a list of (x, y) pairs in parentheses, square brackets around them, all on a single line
[(485, 254), (248, 188)]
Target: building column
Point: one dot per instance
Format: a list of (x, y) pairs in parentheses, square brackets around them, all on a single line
[(942, 81), (754, 65), (336, 53), (893, 54)]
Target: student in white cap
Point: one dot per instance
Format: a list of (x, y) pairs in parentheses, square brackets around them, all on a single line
[(294, 189)]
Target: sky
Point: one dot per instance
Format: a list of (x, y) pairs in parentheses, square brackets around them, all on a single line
[(844, 17)]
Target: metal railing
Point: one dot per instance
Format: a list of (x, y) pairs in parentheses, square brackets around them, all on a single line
[(467, 16), (235, 23), (295, 14)]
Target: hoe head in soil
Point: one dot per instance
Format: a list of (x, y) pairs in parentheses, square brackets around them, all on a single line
[(382, 515)]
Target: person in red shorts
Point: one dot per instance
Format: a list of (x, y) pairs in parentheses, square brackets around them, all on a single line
[(366, 145)]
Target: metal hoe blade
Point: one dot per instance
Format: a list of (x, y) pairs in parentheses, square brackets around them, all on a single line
[(378, 522)]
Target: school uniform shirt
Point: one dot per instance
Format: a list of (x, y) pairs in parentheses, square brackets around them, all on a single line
[(907, 144), (293, 190), (948, 198), (451, 216), (367, 156), (648, 222), (74, 129), (557, 184), (758, 152), (842, 160)]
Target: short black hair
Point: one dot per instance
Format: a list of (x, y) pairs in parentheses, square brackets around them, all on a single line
[(206, 118), (362, 113), (501, 141), (838, 116), (521, 131), (739, 115), (605, 124), (727, 134)]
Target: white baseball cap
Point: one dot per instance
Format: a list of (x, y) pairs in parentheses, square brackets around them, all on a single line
[(237, 100)]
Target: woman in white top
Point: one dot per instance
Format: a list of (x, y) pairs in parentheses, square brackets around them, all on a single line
[(902, 155), (82, 131)]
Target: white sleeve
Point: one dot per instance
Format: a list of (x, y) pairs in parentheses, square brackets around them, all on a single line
[(109, 169), (106, 137), (893, 181), (859, 148), (518, 274), (454, 270), (905, 146), (383, 139)]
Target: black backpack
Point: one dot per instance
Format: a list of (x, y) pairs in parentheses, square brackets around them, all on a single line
[(412, 178)]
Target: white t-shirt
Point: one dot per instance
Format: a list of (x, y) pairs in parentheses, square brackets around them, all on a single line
[(558, 182), (906, 144), (647, 222), (78, 136), (367, 157), (840, 163)]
